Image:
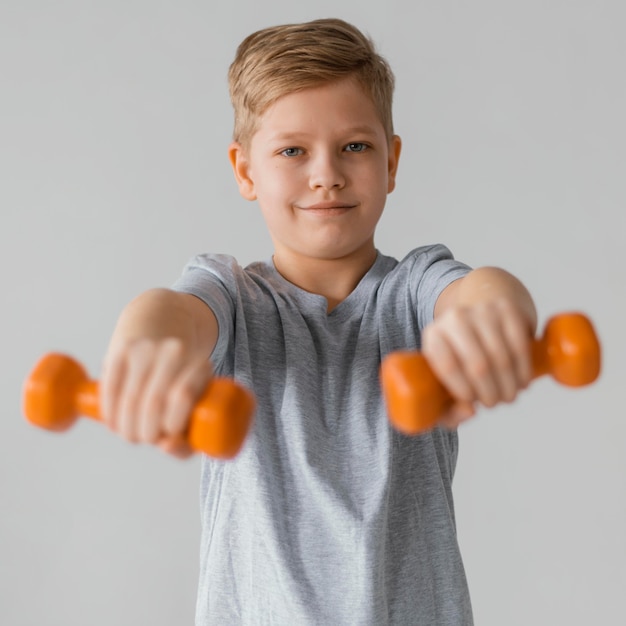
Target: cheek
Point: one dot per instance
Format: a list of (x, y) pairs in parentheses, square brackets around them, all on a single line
[(275, 183), (376, 185)]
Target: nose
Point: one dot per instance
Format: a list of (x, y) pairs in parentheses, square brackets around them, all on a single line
[(326, 172)]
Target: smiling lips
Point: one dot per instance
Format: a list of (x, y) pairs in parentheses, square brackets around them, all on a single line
[(328, 208)]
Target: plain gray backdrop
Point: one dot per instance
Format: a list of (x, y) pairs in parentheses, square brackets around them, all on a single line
[(114, 126)]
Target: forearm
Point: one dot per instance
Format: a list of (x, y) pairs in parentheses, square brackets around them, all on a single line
[(163, 313)]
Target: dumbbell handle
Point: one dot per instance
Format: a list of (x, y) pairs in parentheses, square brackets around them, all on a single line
[(58, 391), (569, 350), (87, 400)]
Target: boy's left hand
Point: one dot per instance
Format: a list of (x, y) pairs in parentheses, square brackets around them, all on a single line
[(481, 352)]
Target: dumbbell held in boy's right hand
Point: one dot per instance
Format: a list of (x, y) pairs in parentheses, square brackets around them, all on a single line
[(58, 391), (569, 351)]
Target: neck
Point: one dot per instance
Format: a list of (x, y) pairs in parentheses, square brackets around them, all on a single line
[(335, 279)]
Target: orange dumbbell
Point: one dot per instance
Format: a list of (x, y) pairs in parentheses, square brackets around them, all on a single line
[(58, 391), (569, 351)]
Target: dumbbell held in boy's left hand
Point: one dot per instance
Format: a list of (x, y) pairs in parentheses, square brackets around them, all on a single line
[(569, 351)]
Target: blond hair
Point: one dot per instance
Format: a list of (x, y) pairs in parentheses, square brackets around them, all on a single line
[(279, 60)]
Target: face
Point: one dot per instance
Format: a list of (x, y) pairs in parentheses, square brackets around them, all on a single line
[(320, 167)]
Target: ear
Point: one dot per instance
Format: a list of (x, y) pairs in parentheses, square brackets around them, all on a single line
[(240, 162), (395, 147)]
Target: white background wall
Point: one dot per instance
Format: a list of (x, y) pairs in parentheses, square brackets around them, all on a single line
[(114, 123)]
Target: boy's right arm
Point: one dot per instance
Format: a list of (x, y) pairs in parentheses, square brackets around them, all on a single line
[(156, 367)]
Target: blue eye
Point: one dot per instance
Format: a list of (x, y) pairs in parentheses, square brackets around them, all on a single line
[(291, 152), (357, 146)]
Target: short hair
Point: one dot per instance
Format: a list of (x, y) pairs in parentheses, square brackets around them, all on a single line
[(280, 60)]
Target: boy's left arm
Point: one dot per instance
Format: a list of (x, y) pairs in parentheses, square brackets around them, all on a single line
[(479, 344)]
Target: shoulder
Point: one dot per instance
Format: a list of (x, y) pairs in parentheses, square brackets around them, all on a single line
[(225, 269), (424, 256), (218, 264), (425, 260)]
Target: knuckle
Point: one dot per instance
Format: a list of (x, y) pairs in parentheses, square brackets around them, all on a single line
[(173, 347), (180, 404), (520, 345), (510, 395), (480, 368), (182, 395), (490, 401), (505, 306), (137, 348), (464, 393), (457, 317), (460, 388), (154, 404), (446, 366), (183, 400), (149, 433), (128, 432), (489, 397), (502, 361)]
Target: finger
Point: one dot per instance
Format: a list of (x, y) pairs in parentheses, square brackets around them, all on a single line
[(111, 383), (184, 394), (458, 413), (151, 413), (175, 446), (519, 339), (462, 364), (501, 361), (443, 360), (483, 354), (137, 373)]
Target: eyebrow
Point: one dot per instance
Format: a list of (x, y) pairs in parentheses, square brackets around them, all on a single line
[(352, 130)]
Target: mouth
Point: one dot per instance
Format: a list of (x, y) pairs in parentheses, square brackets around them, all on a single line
[(328, 208)]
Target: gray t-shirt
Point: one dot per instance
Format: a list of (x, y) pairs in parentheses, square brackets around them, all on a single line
[(327, 516)]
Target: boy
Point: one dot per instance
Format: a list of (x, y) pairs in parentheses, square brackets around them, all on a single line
[(327, 516)]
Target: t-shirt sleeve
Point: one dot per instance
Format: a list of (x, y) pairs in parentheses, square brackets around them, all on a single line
[(212, 278), (434, 269)]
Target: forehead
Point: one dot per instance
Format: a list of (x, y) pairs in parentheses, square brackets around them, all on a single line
[(342, 104)]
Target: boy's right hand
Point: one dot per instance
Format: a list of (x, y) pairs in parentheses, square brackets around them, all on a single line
[(148, 390)]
